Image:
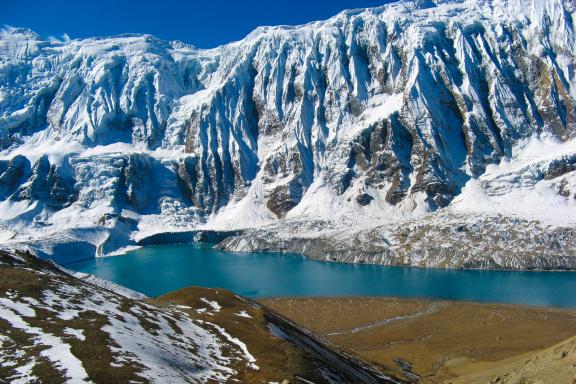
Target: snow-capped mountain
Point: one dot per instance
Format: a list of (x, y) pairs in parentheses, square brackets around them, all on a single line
[(437, 111)]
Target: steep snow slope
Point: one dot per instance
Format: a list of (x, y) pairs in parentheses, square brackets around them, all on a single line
[(413, 110)]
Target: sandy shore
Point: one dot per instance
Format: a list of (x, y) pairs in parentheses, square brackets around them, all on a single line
[(442, 341)]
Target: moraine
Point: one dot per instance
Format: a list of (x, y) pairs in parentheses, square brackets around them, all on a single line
[(155, 270)]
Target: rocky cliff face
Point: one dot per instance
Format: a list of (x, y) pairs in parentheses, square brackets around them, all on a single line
[(376, 115)]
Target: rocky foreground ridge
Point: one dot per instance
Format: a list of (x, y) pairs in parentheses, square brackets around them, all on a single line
[(61, 327)]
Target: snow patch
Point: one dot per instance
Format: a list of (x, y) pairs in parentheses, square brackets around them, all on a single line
[(516, 186), (213, 304), (243, 314), (57, 350)]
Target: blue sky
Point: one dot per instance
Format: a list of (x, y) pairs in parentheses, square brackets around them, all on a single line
[(202, 23)]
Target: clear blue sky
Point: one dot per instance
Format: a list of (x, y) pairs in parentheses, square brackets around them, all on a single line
[(203, 23)]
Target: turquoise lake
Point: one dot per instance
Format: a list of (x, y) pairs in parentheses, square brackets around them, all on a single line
[(155, 270)]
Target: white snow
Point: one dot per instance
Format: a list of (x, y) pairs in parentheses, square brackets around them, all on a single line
[(57, 350), (251, 359), (126, 292), (381, 107), (77, 333), (313, 101), (41, 144), (20, 308), (175, 350), (243, 314), (515, 187), (212, 303)]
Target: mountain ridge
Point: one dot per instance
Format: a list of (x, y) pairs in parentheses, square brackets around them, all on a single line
[(375, 117)]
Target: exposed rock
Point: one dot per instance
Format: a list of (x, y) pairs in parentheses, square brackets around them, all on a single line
[(364, 199)]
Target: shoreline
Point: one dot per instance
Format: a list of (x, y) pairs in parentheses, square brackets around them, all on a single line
[(265, 299), (227, 234), (217, 239), (267, 276), (425, 340)]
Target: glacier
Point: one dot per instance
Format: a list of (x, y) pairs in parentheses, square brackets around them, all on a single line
[(434, 133)]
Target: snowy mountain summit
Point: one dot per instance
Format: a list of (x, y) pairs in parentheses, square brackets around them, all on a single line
[(432, 132)]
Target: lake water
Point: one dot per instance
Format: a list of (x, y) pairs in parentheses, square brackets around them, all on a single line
[(155, 270)]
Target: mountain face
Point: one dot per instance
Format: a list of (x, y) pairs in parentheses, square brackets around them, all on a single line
[(439, 111)]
